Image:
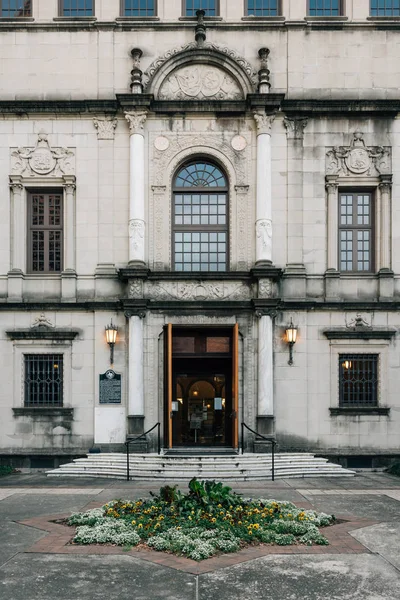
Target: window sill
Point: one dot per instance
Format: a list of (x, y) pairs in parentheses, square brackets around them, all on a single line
[(383, 19), (76, 19), (338, 19), (16, 19), (359, 410), (194, 19), (136, 19), (56, 411), (250, 18)]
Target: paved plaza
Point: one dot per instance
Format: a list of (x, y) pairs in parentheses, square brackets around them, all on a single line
[(362, 561)]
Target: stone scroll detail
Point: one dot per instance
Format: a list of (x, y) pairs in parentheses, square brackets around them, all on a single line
[(197, 290), (200, 82), (358, 159), (42, 160), (136, 121), (105, 128)]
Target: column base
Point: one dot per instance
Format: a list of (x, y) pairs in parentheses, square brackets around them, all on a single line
[(135, 424), (386, 285), (136, 264), (332, 285), (68, 285), (265, 426), (295, 281), (263, 263), (15, 285)]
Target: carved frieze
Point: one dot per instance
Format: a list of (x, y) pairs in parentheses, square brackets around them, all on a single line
[(105, 128), (197, 290), (200, 82), (42, 160), (359, 159)]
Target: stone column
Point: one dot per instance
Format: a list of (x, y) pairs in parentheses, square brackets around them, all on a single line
[(136, 374), (68, 275), (264, 189), (18, 224), (333, 222), (265, 367), (386, 275), (137, 226)]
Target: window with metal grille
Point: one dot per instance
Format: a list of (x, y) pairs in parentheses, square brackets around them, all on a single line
[(43, 380), (356, 231), (45, 232), (139, 8), (12, 9), (263, 8), (384, 8), (200, 225), (76, 8), (325, 8), (358, 380), (211, 7)]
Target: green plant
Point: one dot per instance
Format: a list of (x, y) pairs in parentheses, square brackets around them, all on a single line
[(6, 470), (394, 469)]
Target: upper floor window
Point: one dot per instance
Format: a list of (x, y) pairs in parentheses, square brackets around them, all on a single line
[(200, 218), (76, 8), (45, 232), (139, 8), (43, 380), (15, 8), (358, 380), (356, 231), (263, 8), (385, 8), (211, 7), (325, 8)]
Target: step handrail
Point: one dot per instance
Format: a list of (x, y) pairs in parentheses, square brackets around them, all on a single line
[(142, 435), (263, 437)]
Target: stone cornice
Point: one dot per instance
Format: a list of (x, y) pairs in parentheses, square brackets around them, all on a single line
[(331, 107), (21, 107), (43, 333), (359, 333)]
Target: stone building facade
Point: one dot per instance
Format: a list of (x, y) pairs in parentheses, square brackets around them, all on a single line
[(201, 182)]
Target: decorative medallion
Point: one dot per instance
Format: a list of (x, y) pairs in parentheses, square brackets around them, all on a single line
[(200, 82), (238, 143), (42, 159), (161, 143), (359, 159)]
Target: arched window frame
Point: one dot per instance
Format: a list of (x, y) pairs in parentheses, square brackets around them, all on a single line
[(201, 227)]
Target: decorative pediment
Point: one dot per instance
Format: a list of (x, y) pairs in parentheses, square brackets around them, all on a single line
[(359, 159), (200, 82), (42, 160)]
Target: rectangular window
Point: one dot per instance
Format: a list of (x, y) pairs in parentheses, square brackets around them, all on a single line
[(263, 8), (356, 232), (358, 380), (12, 9), (139, 8), (45, 232), (76, 8), (43, 380), (384, 8), (210, 7), (200, 251), (325, 8)]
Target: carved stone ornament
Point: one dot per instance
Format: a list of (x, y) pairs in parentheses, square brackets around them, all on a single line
[(295, 128), (265, 288), (264, 234), (136, 236), (358, 322), (197, 290), (359, 159), (105, 128), (136, 289), (225, 53), (136, 121), (238, 143), (42, 160), (42, 321), (201, 82), (263, 122)]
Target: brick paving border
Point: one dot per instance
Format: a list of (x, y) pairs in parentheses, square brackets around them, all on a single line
[(58, 541)]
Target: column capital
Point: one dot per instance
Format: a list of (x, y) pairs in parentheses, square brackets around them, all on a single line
[(105, 128), (136, 120), (295, 128), (69, 183), (263, 122), (331, 183), (16, 184), (385, 184)]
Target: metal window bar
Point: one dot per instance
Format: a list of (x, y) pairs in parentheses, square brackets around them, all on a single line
[(139, 437), (262, 8), (43, 380), (139, 8), (325, 8), (358, 380), (262, 437), (209, 6), (76, 8), (384, 8), (12, 9)]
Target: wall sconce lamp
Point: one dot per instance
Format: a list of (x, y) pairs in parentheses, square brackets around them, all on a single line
[(291, 336), (111, 337)]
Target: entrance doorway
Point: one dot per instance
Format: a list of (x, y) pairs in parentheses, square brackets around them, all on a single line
[(201, 387)]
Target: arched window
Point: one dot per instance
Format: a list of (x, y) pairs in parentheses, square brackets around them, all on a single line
[(200, 218)]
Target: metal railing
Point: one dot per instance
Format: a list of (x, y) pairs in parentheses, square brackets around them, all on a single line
[(263, 437), (142, 435)]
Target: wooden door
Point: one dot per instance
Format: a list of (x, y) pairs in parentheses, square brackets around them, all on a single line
[(235, 386)]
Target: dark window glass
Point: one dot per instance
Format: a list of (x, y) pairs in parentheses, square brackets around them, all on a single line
[(77, 8), (262, 8), (15, 8), (385, 8), (139, 8), (355, 232), (209, 6), (325, 8), (358, 380), (200, 208), (43, 379), (45, 232)]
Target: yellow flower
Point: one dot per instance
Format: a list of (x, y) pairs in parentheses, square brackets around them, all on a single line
[(133, 522), (239, 522), (213, 520), (219, 505), (140, 526)]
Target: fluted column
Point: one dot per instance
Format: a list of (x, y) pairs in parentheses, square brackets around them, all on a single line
[(264, 188), (265, 366), (18, 224), (137, 225)]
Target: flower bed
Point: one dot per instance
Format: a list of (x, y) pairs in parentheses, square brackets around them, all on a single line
[(210, 519)]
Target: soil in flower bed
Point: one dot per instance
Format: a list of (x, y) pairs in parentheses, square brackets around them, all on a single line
[(210, 519)]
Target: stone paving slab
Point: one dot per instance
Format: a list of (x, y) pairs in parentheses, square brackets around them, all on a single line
[(383, 539)]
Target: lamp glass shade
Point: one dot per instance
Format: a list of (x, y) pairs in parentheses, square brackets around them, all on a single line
[(111, 334), (291, 334)]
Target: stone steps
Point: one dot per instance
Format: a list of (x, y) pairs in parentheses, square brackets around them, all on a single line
[(246, 467)]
